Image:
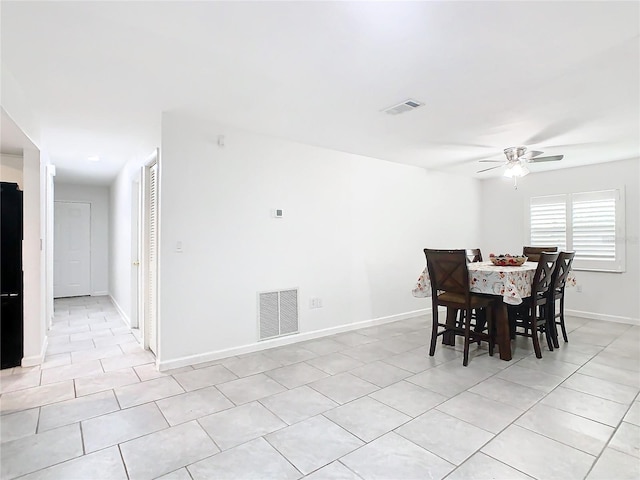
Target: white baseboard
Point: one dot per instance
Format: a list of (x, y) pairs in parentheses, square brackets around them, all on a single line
[(99, 294), (124, 316), (34, 360), (602, 316), (281, 341)]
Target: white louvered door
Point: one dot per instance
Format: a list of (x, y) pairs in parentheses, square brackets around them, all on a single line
[(151, 258)]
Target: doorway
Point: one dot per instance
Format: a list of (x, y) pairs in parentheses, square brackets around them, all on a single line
[(72, 249)]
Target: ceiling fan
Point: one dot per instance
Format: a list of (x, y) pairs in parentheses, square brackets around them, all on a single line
[(517, 158)]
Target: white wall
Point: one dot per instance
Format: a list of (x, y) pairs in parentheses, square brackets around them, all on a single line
[(120, 254), (18, 106), (11, 169), (36, 280), (47, 175), (612, 296), (35, 326), (352, 234), (98, 197)]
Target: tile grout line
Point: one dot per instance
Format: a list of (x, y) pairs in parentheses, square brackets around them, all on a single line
[(596, 457), (512, 423), (615, 430), (124, 464), (264, 437)]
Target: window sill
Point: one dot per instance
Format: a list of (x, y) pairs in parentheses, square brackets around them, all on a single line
[(599, 270)]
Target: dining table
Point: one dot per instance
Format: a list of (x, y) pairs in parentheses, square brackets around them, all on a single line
[(509, 283)]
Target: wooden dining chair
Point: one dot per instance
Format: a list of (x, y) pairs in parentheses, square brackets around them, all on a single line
[(535, 319), (473, 255), (533, 253), (478, 317), (560, 276), (449, 277)]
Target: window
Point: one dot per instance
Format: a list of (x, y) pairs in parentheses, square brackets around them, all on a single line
[(591, 223), (549, 221)]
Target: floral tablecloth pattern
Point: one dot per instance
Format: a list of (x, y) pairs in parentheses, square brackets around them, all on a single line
[(512, 283)]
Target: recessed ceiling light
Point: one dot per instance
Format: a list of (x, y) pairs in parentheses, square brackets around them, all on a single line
[(94, 158)]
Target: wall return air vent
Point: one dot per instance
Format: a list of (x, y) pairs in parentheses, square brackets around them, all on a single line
[(278, 313), (405, 106)]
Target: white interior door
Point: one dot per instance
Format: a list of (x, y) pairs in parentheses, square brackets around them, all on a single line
[(151, 256), (72, 249)]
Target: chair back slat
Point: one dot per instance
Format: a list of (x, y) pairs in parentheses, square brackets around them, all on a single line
[(448, 271), (543, 278), (565, 260), (474, 255), (533, 253)]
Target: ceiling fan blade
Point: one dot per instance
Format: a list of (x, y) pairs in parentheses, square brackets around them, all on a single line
[(552, 158), (473, 160), (530, 154), (572, 145), (494, 161), (554, 130), (490, 168)]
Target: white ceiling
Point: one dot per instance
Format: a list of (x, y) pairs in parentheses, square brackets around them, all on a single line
[(562, 77), (13, 141)]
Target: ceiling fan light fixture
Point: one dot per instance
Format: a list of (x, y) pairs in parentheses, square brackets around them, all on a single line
[(516, 170)]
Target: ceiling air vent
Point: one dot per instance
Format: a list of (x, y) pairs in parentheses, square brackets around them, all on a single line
[(405, 106)]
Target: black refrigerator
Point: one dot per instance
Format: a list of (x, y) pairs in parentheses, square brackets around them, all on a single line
[(11, 285)]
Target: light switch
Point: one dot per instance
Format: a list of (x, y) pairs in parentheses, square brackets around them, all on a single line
[(179, 246)]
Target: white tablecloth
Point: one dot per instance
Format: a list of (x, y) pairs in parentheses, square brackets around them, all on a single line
[(512, 283)]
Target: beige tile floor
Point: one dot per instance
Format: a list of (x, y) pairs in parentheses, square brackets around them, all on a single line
[(360, 405)]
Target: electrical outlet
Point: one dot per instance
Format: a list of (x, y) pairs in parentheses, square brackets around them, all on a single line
[(579, 288), (315, 303)]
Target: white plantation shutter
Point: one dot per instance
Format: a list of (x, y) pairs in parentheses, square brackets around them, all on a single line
[(548, 220), (591, 223), (153, 255), (151, 259), (594, 225)]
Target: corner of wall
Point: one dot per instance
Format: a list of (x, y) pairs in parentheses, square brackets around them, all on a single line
[(34, 360)]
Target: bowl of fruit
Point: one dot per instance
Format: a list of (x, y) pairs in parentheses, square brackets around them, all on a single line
[(507, 260)]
